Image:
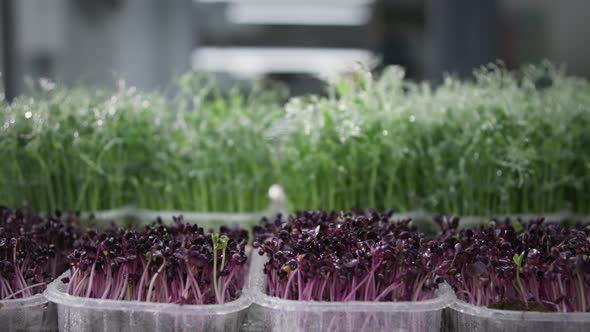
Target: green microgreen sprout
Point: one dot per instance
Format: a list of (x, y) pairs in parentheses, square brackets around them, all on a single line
[(518, 260)]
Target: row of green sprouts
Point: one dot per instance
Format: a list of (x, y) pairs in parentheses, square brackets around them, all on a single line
[(500, 143)]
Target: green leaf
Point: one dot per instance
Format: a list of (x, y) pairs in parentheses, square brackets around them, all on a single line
[(518, 259), (223, 240)]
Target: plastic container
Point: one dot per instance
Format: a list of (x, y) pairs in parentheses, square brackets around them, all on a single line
[(274, 314), (462, 316), (85, 314), (277, 204), (33, 313)]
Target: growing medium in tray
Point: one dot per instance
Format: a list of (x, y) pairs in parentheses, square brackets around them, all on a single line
[(33, 250), (532, 266), (356, 256), (178, 263)]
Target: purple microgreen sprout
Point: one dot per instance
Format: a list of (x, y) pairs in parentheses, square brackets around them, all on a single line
[(531, 266), (33, 250), (346, 256), (178, 263), (582, 263)]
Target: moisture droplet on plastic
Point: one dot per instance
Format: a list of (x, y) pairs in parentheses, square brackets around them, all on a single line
[(275, 192), (412, 118), (99, 123), (385, 133), (499, 172), (28, 115), (46, 84)]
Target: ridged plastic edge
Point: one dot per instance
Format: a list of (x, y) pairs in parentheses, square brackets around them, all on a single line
[(513, 315), (56, 293), (257, 285), (26, 302)]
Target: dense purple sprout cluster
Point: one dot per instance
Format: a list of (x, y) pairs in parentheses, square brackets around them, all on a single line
[(33, 250), (178, 263), (357, 256), (535, 265)]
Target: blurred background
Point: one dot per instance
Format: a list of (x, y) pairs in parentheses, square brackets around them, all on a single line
[(296, 42)]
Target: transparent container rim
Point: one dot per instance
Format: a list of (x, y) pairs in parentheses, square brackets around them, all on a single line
[(26, 302), (258, 284), (56, 293), (513, 315)]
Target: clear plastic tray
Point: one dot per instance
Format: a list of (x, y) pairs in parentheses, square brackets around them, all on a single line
[(277, 204), (274, 314), (33, 313), (85, 314), (462, 316)]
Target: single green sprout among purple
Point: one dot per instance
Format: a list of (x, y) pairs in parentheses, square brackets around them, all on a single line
[(177, 263), (533, 266)]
